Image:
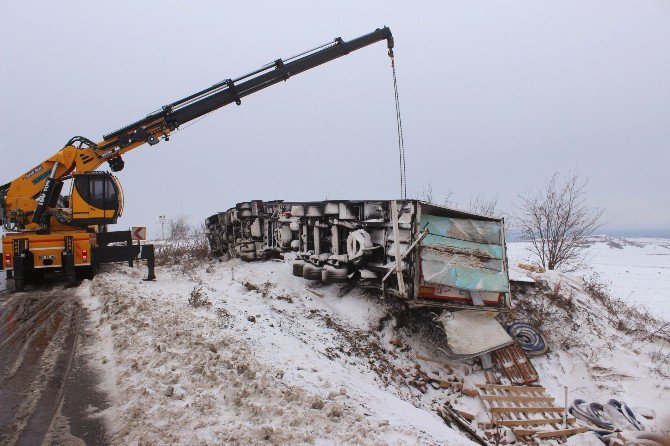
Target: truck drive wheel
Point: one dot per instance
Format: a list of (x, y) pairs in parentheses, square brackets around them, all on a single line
[(298, 266), (330, 274), (311, 272)]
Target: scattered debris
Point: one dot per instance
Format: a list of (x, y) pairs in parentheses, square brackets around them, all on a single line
[(606, 418), (532, 268), (528, 411), (514, 363), (529, 338)]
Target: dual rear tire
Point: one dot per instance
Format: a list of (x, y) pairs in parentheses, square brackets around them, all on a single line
[(325, 274), (311, 272), (330, 274)]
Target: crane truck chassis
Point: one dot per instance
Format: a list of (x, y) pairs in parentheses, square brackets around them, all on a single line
[(45, 231)]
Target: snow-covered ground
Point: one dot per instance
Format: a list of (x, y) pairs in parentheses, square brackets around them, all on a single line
[(281, 364), (259, 356), (636, 270)]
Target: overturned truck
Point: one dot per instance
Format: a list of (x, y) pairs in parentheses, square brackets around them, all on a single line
[(427, 255)]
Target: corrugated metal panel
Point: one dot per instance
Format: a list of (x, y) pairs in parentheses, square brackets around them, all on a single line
[(466, 254)]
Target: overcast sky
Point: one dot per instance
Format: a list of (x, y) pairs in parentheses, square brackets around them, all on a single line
[(496, 96)]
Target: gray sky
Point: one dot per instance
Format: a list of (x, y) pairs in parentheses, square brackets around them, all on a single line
[(496, 96)]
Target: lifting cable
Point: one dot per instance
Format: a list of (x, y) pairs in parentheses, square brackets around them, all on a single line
[(401, 139)]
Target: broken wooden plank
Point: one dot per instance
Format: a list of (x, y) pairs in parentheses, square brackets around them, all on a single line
[(518, 398), (524, 432), (526, 409), (316, 293), (448, 412), (466, 415), (469, 391), (435, 361), (533, 422), (512, 388), (561, 432)]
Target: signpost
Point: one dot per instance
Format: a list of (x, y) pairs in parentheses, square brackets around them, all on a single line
[(162, 219), (138, 232)]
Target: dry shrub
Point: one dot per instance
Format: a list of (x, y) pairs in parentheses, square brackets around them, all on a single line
[(190, 250), (544, 305), (263, 289), (174, 253), (620, 314), (178, 227), (198, 298), (626, 318), (566, 302), (549, 309)]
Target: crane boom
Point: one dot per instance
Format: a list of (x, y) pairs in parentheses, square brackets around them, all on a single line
[(199, 104)]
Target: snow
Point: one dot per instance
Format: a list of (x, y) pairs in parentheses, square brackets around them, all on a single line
[(267, 362), (269, 358), (601, 354), (637, 270)]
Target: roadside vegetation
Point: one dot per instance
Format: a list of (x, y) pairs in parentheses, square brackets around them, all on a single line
[(186, 245)]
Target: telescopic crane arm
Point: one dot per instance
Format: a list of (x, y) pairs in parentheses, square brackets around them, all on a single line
[(233, 90), (34, 190)]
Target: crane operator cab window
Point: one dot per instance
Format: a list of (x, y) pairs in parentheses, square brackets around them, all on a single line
[(96, 199)]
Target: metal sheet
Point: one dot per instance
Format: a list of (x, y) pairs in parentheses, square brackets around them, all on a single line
[(445, 244), (472, 333), (468, 275), (463, 253), (470, 230)]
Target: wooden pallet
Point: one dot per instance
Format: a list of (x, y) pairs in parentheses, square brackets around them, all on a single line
[(528, 411), (514, 363)]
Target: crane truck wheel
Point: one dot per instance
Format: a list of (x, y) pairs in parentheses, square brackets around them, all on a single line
[(85, 272)]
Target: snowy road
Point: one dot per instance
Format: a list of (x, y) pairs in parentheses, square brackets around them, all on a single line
[(46, 390)]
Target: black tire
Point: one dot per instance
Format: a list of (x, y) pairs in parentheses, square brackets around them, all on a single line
[(298, 266), (334, 275), (530, 338), (312, 272), (85, 272)]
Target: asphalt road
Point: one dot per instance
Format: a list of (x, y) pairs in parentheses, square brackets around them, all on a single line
[(48, 392)]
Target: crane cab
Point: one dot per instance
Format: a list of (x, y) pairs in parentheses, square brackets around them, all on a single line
[(96, 198)]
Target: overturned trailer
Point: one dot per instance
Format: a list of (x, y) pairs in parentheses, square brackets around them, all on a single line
[(428, 255)]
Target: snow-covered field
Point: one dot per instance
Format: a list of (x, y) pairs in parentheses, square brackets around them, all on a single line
[(636, 270), (269, 358)]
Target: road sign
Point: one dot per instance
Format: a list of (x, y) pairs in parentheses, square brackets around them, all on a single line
[(138, 232), (162, 219)]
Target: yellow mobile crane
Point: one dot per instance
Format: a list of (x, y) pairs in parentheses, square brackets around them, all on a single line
[(46, 231)]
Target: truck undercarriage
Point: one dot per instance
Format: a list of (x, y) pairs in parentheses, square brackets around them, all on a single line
[(428, 255)]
